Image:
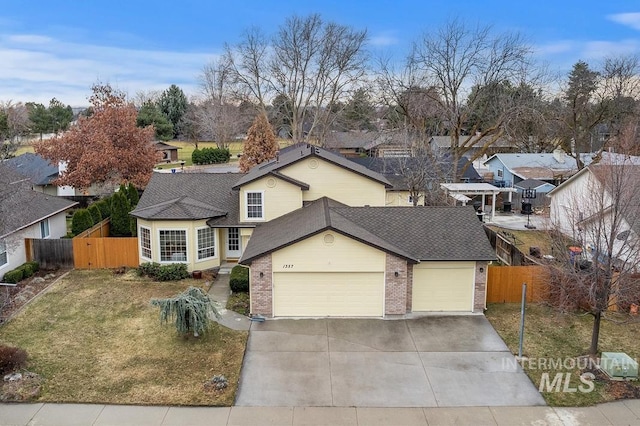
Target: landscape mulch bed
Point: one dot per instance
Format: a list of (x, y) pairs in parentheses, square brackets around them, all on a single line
[(12, 299)]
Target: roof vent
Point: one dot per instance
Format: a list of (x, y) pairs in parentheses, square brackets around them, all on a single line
[(277, 156)]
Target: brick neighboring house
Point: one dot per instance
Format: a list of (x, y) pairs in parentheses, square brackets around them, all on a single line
[(314, 230)]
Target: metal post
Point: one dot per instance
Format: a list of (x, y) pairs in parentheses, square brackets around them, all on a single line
[(524, 300)]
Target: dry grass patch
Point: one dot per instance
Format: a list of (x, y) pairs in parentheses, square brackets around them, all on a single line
[(550, 335), (524, 239), (95, 338)]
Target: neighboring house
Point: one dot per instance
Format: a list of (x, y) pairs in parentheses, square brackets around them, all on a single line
[(168, 153), (441, 145), (509, 169), (26, 213), (349, 144), (42, 174), (541, 190), (584, 207), (315, 232), (392, 170), (384, 144)]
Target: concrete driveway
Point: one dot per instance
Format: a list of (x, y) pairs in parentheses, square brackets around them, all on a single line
[(433, 361)]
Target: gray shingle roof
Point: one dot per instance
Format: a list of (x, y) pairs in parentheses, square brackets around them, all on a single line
[(33, 166), (20, 206), (188, 196), (414, 233), (295, 153)]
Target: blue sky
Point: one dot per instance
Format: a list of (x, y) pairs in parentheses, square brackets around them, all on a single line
[(60, 48)]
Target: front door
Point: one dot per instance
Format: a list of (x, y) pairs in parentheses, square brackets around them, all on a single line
[(234, 247)]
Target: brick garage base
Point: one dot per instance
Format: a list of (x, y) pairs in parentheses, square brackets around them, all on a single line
[(261, 286)]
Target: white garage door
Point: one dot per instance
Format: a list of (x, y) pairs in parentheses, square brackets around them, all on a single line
[(328, 294), (443, 286)]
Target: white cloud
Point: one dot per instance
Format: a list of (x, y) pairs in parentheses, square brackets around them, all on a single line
[(602, 49), (555, 48), (384, 39), (629, 19), (36, 68)]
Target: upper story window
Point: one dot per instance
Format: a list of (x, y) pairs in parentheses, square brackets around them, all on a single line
[(173, 245), (500, 174), (145, 242), (255, 205), (44, 229), (4, 258)]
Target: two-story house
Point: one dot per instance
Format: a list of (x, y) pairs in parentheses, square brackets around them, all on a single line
[(315, 231)]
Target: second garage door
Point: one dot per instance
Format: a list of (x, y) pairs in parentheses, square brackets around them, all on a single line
[(328, 294), (443, 286)]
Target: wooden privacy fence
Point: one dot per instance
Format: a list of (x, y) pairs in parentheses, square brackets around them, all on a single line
[(504, 283), (50, 254), (99, 230), (95, 253)]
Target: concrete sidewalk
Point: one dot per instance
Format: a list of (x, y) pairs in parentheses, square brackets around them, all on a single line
[(614, 413), (219, 293)]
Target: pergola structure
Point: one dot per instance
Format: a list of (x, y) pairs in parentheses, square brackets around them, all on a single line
[(466, 190)]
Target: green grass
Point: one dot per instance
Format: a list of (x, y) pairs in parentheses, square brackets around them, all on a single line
[(553, 335), (96, 339)]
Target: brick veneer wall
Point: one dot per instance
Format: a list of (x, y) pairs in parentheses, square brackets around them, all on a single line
[(262, 287), (395, 288), (480, 290), (410, 287)]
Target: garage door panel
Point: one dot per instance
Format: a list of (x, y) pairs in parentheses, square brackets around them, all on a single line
[(328, 294), (443, 289)]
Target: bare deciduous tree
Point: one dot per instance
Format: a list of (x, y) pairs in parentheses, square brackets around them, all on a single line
[(600, 213), (457, 58), (312, 63)]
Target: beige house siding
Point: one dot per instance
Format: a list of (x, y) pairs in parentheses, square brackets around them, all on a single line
[(261, 286), (395, 293), (328, 252), (190, 227), (279, 198), (328, 180)]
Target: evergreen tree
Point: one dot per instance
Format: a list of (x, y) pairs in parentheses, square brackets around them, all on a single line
[(81, 221), (132, 195), (260, 145), (150, 114), (173, 104), (94, 211), (120, 219)]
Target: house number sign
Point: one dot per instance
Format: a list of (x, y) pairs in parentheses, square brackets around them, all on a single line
[(287, 266)]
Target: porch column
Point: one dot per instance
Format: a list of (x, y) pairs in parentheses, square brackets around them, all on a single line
[(493, 205)]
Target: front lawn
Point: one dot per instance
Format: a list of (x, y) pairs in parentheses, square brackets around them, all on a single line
[(95, 338), (553, 343)]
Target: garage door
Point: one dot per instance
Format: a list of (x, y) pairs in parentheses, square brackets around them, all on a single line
[(328, 294), (443, 287)]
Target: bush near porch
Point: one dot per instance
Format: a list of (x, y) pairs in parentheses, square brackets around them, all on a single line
[(95, 338)]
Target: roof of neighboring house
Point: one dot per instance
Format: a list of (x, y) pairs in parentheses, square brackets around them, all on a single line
[(388, 137), (539, 165), (35, 167), (301, 151), (161, 146), (391, 168), (189, 196), (21, 206), (531, 184), (413, 233), (445, 142), (348, 140)]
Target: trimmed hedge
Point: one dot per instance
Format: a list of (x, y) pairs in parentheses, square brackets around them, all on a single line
[(95, 213), (170, 272), (104, 205), (21, 272), (210, 156), (239, 279)]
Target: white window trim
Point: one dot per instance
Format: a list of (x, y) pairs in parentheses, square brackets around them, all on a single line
[(246, 206), (150, 243), (42, 222), (186, 234), (215, 245), (3, 244)]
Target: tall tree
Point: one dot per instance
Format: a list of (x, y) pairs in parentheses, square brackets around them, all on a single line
[(602, 216), (150, 115), (173, 104), (106, 147), (39, 117), (312, 63), (456, 58), (61, 115), (359, 112), (260, 145)]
